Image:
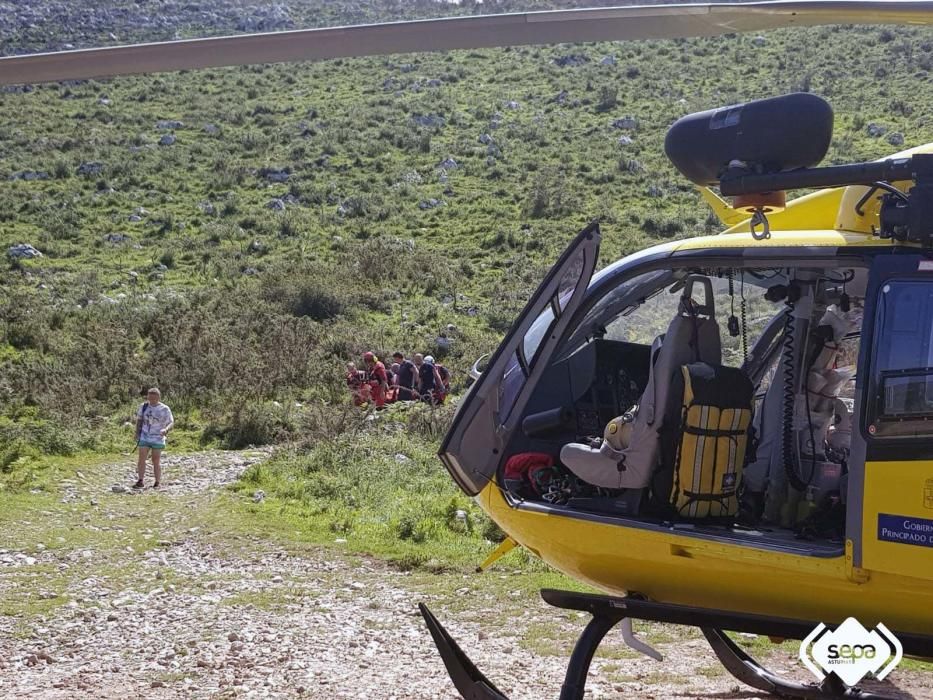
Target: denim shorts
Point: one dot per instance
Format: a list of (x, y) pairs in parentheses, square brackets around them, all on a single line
[(153, 444)]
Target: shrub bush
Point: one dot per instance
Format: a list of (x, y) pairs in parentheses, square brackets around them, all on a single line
[(251, 424)]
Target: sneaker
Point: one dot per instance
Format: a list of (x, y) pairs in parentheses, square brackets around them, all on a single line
[(139, 485), (156, 485)]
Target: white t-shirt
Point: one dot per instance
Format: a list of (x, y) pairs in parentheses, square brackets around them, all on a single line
[(154, 419)]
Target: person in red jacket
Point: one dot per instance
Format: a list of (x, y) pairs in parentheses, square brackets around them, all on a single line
[(377, 379)]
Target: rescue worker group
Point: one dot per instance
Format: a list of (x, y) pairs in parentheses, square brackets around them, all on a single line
[(417, 379)]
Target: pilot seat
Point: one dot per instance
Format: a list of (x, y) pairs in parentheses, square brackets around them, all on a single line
[(687, 437)]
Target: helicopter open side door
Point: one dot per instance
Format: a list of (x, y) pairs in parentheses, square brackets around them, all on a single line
[(895, 377), (493, 408)]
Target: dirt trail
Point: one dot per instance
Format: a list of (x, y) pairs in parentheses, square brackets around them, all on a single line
[(160, 595)]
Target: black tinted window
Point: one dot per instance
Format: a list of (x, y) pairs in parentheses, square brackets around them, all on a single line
[(902, 377)]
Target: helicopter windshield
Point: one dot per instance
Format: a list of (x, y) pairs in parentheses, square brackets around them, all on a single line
[(629, 294), (649, 317)]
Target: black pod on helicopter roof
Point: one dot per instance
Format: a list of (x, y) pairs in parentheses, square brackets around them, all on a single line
[(767, 136)]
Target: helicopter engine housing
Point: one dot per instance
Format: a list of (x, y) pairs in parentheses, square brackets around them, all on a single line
[(766, 136)]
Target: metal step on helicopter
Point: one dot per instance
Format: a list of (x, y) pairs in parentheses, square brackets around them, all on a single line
[(732, 432)]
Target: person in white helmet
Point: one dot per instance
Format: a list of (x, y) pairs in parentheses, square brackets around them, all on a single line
[(442, 379), (429, 380)]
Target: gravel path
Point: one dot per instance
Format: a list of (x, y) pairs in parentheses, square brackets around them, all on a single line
[(156, 595)]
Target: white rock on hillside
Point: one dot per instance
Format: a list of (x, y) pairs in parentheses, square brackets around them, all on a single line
[(23, 251)]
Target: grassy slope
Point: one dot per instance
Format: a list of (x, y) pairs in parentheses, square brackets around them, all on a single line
[(345, 130), (359, 167)]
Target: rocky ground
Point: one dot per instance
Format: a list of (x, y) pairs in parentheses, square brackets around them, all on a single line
[(109, 593)]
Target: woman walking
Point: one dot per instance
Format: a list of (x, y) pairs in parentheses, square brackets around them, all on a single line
[(153, 422)]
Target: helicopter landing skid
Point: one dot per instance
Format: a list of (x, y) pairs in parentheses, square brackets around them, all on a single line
[(608, 611), (746, 669), (468, 679)]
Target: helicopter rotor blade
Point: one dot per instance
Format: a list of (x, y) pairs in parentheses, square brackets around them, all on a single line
[(470, 32)]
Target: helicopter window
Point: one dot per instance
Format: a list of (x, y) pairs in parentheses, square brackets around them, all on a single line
[(903, 370), (621, 299), (525, 357), (645, 320), (512, 380), (650, 316), (536, 333), (568, 283), (848, 361), (907, 393), (570, 280)]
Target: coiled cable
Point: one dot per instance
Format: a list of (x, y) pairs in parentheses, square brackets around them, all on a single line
[(788, 451), (743, 310)]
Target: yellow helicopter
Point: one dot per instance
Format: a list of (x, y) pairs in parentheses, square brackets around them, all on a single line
[(698, 429), (729, 432)]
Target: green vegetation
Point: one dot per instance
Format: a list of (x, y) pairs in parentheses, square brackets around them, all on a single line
[(305, 213), (407, 194), (380, 492)]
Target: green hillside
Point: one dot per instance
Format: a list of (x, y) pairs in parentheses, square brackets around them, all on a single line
[(236, 235)]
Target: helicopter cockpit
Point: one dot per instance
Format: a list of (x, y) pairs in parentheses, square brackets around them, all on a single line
[(610, 431)]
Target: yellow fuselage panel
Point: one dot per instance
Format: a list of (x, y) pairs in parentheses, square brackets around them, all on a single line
[(899, 498), (674, 568), (829, 238)]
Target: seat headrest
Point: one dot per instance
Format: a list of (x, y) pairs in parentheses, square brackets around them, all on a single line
[(690, 306)]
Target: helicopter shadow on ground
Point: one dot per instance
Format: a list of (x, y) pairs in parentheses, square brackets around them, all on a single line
[(721, 695), (887, 690)]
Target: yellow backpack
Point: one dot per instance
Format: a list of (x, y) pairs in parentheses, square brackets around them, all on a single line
[(704, 439)]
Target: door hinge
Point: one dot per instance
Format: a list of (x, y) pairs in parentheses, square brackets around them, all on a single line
[(854, 573)]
